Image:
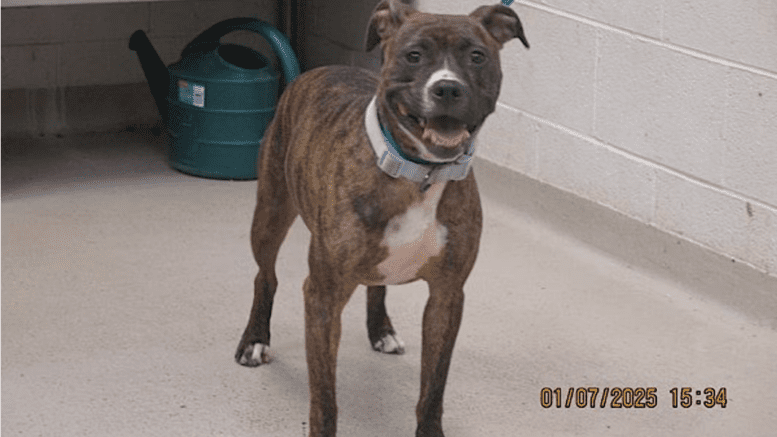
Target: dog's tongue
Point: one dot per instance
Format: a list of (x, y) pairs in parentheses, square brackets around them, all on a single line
[(445, 132)]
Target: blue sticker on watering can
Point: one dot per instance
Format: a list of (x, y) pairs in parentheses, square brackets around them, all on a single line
[(191, 93)]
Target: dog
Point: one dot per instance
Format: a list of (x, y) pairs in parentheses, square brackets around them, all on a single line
[(379, 169)]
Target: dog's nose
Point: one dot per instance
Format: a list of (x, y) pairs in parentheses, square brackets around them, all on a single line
[(447, 91)]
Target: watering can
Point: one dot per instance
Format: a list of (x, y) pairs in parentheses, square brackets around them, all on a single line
[(218, 99)]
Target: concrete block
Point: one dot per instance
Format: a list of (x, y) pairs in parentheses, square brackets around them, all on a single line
[(457, 7), (98, 22), (595, 172), (213, 11), (45, 110), (751, 136), (633, 243), (29, 66), (101, 62), (728, 225), (190, 18), (174, 19), (175, 24), (509, 139), (743, 31), (107, 107), (762, 237), (27, 26), (71, 23), (48, 111), (662, 105), (15, 116), (343, 22), (555, 79), (320, 51), (704, 215), (635, 15), (168, 48)]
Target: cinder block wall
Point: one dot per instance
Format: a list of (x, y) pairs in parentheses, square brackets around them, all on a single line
[(334, 34), (663, 110), (68, 68)]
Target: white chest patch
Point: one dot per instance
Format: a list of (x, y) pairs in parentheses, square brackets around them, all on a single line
[(412, 238)]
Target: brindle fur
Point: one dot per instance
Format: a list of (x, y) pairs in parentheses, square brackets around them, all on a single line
[(316, 162)]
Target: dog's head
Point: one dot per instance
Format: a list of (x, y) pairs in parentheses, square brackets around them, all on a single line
[(441, 74)]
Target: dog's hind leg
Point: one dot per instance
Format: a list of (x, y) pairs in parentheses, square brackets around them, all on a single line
[(383, 338), (275, 212)]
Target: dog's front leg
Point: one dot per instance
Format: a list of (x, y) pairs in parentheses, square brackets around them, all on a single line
[(325, 299), (442, 318)]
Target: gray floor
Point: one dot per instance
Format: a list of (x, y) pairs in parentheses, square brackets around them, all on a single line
[(126, 286)]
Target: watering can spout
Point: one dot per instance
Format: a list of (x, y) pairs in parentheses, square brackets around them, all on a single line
[(156, 73)]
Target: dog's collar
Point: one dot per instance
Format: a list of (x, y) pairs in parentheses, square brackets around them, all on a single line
[(395, 163)]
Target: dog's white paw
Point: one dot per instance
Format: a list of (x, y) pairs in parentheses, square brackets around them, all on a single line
[(390, 344), (255, 355)]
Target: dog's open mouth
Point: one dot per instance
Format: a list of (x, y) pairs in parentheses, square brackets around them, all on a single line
[(442, 131), (445, 131)]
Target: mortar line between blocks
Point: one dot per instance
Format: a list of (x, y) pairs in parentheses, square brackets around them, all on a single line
[(669, 46), (597, 56), (643, 161)]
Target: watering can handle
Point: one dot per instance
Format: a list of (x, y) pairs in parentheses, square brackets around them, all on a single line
[(279, 42)]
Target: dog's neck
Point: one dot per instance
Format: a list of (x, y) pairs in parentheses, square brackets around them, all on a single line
[(395, 163)]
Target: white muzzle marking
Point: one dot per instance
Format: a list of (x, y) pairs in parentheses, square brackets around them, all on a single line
[(444, 73)]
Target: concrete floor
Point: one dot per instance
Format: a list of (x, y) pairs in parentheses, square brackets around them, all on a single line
[(126, 286)]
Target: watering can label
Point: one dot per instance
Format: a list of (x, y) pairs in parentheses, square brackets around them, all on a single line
[(191, 93)]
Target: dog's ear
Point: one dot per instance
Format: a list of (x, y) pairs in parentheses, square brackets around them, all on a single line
[(501, 22), (387, 17)]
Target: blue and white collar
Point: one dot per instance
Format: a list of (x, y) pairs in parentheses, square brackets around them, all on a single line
[(392, 161)]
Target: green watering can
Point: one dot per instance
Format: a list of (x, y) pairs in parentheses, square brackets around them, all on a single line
[(217, 101)]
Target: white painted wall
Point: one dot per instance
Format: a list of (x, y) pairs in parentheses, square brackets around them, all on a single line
[(664, 110)]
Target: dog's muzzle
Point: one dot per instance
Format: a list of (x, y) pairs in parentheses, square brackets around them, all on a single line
[(390, 159)]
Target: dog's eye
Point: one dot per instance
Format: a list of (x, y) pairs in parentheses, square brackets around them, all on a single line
[(478, 57), (413, 57)]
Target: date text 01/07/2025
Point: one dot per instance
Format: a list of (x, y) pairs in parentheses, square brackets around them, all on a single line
[(627, 397)]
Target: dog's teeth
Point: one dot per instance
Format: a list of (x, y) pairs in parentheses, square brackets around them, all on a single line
[(443, 140)]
